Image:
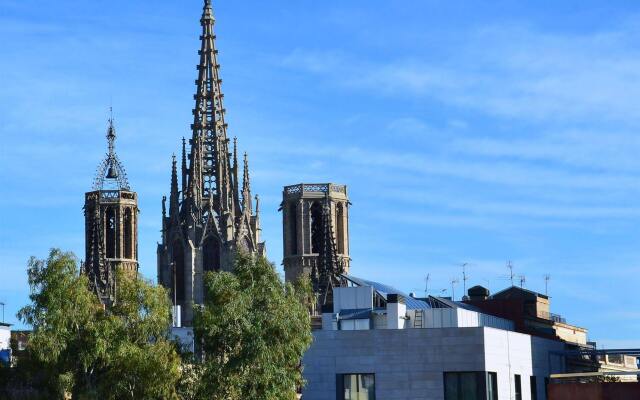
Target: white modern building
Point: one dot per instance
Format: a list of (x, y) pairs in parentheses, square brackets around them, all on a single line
[(5, 336), (377, 343)]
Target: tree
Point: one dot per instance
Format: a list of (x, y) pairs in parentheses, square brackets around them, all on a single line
[(253, 330), (91, 352)]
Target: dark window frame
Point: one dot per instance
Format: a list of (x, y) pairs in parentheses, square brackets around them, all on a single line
[(480, 379), (492, 380), (340, 383), (517, 386), (533, 384)]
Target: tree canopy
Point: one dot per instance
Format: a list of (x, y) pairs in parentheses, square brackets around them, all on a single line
[(253, 330), (121, 352)]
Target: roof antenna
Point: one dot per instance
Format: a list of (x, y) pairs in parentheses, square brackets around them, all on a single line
[(454, 281), (465, 277), (522, 280), (511, 276), (547, 278), (426, 286)]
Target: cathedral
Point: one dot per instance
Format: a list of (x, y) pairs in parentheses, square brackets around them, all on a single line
[(211, 213)]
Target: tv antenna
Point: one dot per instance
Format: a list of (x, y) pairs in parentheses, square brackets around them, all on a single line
[(426, 285), (465, 277), (547, 278), (511, 275), (522, 279), (454, 281)]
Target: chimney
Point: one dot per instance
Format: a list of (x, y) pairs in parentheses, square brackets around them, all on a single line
[(478, 293), (396, 311)]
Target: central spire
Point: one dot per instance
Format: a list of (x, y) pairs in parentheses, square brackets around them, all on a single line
[(208, 223), (210, 170)]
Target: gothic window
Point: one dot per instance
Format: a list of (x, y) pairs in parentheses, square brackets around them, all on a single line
[(110, 232), (340, 225), (316, 227), (211, 254), (128, 234), (293, 229), (177, 277)]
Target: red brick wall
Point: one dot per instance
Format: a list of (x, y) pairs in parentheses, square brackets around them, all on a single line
[(594, 391)]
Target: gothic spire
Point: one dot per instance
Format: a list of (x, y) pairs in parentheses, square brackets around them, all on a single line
[(111, 173), (234, 174), (173, 197), (210, 168), (246, 186), (184, 167)]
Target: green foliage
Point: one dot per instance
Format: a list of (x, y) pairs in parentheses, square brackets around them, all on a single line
[(92, 353), (189, 379), (254, 330)]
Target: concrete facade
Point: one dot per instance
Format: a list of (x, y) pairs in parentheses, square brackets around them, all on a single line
[(410, 363)]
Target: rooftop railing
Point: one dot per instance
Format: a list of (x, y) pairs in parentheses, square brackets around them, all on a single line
[(315, 188)]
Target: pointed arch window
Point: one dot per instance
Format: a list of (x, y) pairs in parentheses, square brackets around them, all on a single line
[(110, 232), (340, 225), (178, 273), (293, 229), (316, 227), (211, 254), (128, 234)]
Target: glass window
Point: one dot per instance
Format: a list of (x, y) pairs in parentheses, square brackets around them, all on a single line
[(518, 385), (492, 386), (464, 385), (534, 388), (358, 387)]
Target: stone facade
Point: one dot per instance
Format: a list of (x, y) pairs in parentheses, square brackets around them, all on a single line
[(111, 225), (302, 207), (212, 215)]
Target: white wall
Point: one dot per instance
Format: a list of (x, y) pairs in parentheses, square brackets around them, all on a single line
[(352, 298), (409, 363), (5, 337), (510, 353)]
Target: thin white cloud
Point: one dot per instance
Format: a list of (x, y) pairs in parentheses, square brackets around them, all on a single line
[(506, 71)]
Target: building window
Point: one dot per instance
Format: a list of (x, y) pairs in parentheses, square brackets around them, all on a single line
[(518, 387), (534, 388), (316, 227), (110, 232), (128, 234), (178, 272), (492, 386), (356, 387), (340, 226), (464, 385), (211, 254), (293, 229)]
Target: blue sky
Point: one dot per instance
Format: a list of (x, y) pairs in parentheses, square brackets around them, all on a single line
[(474, 132)]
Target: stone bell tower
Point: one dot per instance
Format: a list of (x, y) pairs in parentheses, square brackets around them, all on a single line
[(111, 225), (315, 221)]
